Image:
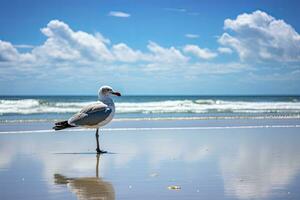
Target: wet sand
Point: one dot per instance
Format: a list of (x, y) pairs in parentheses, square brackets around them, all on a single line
[(258, 159)]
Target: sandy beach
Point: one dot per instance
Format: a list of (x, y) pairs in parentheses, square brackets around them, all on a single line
[(161, 159)]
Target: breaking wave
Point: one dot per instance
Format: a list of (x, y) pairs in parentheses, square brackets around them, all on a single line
[(37, 106)]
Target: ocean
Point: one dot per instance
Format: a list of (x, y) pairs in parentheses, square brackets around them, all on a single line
[(52, 108)]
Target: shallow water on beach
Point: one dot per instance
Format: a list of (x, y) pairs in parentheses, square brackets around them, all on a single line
[(199, 164)]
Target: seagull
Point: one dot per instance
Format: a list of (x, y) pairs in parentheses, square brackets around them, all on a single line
[(94, 115)]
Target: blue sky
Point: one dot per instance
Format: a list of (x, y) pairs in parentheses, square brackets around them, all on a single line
[(149, 47)]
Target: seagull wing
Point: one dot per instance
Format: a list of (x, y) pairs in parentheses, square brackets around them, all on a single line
[(90, 115)]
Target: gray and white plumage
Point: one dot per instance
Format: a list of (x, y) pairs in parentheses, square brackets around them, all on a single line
[(92, 115), (97, 114)]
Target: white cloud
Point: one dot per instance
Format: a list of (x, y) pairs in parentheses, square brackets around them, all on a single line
[(100, 37), (157, 54), (165, 55), (125, 54), (259, 36), (8, 53), (192, 36), (66, 50), (200, 53), (118, 14), (65, 44), (225, 50)]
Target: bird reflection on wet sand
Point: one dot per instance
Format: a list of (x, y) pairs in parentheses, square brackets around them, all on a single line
[(87, 188)]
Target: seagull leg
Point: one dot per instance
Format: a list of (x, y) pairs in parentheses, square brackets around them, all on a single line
[(97, 165), (97, 139)]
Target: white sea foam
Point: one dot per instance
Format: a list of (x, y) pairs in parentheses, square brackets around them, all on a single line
[(34, 106), (208, 106)]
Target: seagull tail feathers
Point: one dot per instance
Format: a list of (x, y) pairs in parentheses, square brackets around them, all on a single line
[(62, 125)]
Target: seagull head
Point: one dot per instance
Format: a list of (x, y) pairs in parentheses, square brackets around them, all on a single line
[(106, 91)]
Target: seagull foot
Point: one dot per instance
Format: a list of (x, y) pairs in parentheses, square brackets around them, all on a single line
[(100, 151)]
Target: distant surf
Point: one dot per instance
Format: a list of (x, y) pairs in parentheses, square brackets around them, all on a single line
[(41, 107)]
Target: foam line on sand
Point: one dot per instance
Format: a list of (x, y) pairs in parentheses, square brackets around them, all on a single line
[(156, 129), (4, 121)]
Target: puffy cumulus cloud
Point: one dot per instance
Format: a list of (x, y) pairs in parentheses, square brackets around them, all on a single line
[(259, 36), (66, 49), (165, 55), (8, 53), (199, 52), (126, 54), (65, 44), (157, 54), (100, 37)]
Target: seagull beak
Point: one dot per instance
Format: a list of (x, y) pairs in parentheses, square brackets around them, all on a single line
[(116, 93)]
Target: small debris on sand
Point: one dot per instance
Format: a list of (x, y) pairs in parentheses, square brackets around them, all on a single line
[(153, 175), (174, 187)]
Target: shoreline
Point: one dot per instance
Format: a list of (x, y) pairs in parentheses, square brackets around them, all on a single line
[(154, 129), (144, 124), (297, 116)]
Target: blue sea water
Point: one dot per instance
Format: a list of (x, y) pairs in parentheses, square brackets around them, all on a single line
[(14, 108)]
